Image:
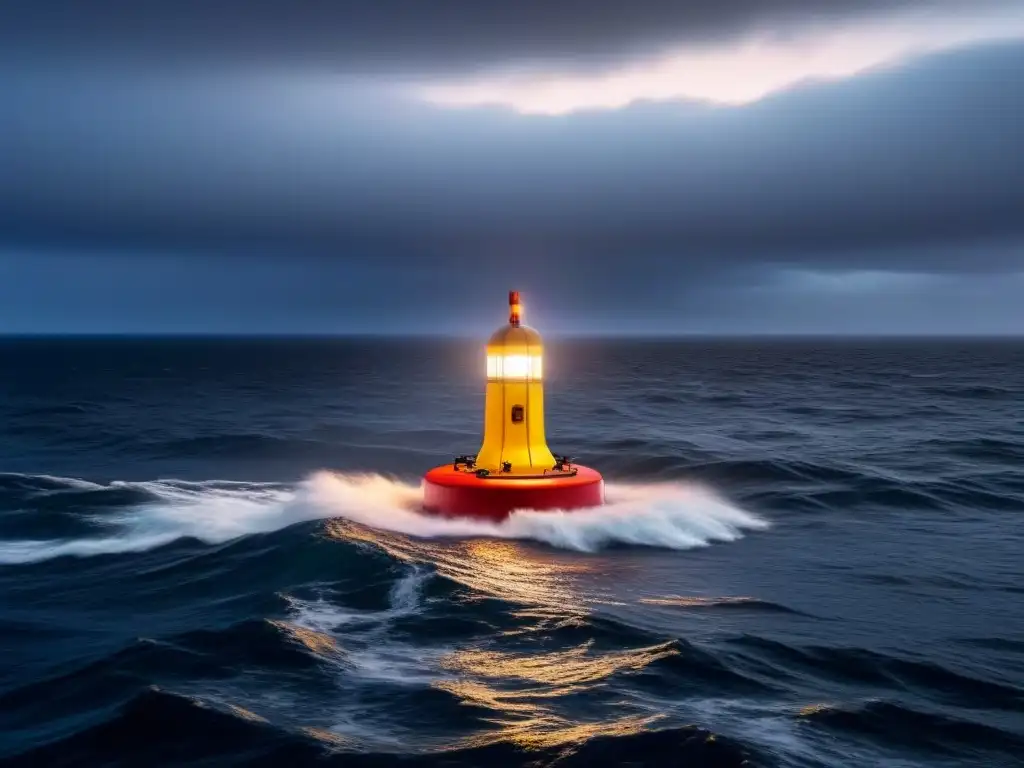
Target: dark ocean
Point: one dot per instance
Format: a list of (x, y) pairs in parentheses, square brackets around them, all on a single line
[(811, 556)]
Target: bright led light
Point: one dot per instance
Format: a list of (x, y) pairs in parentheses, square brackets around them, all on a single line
[(514, 367)]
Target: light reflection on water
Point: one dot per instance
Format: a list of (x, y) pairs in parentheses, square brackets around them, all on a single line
[(502, 569), (541, 732), (526, 689), (574, 666)]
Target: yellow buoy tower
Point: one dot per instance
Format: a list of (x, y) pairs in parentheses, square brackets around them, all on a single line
[(514, 440), (514, 469)]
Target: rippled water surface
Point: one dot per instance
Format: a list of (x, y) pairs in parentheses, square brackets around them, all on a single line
[(811, 556)]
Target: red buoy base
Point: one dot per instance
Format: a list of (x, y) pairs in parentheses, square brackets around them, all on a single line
[(457, 493)]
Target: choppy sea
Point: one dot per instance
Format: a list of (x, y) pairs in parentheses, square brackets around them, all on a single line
[(812, 555)]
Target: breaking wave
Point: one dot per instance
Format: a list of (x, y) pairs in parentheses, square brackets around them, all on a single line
[(670, 515)]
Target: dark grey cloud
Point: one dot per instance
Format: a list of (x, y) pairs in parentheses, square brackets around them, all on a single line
[(390, 35), (304, 198), (924, 155)]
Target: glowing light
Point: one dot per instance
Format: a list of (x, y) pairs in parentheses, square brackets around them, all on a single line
[(738, 72), (527, 367)]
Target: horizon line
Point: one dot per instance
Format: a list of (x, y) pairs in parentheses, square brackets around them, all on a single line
[(636, 336)]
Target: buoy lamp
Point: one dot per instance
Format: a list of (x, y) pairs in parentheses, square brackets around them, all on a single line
[(514, 468)]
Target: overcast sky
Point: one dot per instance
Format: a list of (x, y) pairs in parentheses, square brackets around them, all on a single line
[(644, 166)]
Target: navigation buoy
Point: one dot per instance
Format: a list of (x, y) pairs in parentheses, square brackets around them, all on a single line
[(514, 469)]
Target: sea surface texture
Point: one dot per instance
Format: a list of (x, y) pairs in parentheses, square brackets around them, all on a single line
[(812, 555)]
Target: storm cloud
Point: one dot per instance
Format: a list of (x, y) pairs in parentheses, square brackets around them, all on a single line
[(258, 168), (404, 35)]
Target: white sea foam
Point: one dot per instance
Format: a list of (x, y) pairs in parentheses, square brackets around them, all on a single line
[(370, 652), (671, 515)]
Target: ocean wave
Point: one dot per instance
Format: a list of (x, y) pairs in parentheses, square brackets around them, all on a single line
[(212, 512), (660, 398), (685, 667), (983, 448), (889, 672), (768, 471), (724, 602), (902, 726), (230, 734), (677, 516), (241, 445), (995, 643), (972, 391), (501, 706), (54, 409)]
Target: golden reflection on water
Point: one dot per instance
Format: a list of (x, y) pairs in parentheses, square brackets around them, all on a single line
[(318, 642), (505, 569), (499, 568), (328, 737), (574, 666), (814, 709), (245, 714), (553, 731), (520, 689)]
